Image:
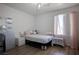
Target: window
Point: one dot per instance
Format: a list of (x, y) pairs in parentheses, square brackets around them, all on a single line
[(58, 24)]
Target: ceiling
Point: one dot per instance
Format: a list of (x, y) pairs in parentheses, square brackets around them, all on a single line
[(33, 10)]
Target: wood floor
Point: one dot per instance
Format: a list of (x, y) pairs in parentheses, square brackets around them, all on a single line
[(29, 50)]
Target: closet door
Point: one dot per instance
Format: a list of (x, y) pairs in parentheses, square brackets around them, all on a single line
[(74, 30)]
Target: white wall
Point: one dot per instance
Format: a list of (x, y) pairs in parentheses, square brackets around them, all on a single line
[(44, 23), (21, 21)]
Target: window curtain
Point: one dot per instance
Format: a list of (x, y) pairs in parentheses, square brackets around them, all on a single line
[(74, 30), (67, 32), (58, 24), (70, 29), (66, 29)]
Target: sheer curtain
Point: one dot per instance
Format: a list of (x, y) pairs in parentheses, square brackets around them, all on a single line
[(59, 24), (62, 27)]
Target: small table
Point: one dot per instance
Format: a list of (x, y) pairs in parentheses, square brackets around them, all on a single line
[(59, 41)]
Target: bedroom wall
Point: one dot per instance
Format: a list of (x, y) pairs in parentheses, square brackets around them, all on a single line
[(44, 23), (21, 21)]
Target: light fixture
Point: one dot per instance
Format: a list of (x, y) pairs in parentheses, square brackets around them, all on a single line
[(40, 5)]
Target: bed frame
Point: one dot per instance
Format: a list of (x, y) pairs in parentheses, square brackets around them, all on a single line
[(38, 45)]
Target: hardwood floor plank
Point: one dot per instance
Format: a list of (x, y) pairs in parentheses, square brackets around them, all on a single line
[(29, 50)]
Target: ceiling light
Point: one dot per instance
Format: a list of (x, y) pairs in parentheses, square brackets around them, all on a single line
[(39, 5)]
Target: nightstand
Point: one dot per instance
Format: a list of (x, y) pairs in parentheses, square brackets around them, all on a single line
[(20, 41)]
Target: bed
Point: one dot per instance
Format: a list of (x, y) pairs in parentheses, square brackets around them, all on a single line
[(43, 40)]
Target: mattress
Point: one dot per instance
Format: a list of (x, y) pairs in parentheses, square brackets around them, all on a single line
[(39, 38)]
